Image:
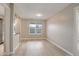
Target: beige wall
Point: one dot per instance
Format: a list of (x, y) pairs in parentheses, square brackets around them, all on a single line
[(60, 28), (25, 29)]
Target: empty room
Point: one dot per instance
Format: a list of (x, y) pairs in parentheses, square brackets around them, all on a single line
[(39, 29)]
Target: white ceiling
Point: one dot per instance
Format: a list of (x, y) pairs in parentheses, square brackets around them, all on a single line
[(29, 10)]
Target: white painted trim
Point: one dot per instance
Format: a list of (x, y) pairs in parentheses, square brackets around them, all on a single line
[(12, 52), (60, 47), (32, 38), (35, 29), (16, 48), (76, 36)]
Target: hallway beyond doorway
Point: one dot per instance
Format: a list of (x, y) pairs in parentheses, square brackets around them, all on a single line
[(38, 48)]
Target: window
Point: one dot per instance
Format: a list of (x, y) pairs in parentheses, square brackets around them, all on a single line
[(35, 29)]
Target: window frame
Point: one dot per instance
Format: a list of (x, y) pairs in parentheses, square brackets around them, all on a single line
[(36, 29)]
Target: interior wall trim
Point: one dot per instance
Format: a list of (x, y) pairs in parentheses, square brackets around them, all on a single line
[(32, 38), (71, 54)]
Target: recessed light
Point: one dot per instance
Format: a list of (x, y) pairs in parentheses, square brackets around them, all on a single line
[(39, 15)]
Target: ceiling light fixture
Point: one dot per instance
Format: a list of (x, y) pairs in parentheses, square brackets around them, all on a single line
[(39, 15)]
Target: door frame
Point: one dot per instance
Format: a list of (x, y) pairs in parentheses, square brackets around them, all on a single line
[(6, 28), (76, 34)]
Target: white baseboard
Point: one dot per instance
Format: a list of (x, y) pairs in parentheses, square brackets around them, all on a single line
[(23, 39), (61, 48)]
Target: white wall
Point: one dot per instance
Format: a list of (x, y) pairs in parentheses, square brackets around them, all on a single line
[(15, 42), (6, 21), (16, 35), (60, 28), (76, 46)]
